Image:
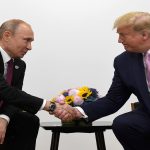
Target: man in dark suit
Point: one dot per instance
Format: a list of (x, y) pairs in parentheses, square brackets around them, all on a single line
[(18, 129), (131, 76), (21, 127)]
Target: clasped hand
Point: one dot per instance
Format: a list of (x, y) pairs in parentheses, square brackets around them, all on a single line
[(66, 112)]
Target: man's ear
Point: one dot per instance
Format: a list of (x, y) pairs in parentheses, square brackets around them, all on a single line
[(145, 35), (7, 35)]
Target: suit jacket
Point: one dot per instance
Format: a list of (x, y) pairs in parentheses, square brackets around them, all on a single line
[(17, 81), (12, 95), (129, 78)]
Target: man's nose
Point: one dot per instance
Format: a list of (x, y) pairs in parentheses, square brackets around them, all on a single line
[(29, 46), (120, 40)]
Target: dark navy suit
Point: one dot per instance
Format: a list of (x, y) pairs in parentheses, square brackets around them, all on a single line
[(133, 128)]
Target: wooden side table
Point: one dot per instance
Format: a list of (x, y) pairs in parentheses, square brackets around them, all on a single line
[(97, 127)]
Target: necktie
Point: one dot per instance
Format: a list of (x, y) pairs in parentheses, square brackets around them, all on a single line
[(147, 68), (9, 72), (9, 75)]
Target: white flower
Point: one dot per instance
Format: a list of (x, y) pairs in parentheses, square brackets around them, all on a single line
[(60, 98), (73, 92), (78, 100)]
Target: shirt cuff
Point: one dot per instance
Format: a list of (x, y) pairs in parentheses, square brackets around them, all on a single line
[(82, 112), (44, 102), (5, 117)]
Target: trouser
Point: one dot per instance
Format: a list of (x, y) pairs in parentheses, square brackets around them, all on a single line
[(132, 129), (21, 132)]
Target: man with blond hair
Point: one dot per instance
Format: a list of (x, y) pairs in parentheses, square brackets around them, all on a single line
[(131, 76)]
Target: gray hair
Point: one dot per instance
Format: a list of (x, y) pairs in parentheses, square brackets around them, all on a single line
[(11, 25)]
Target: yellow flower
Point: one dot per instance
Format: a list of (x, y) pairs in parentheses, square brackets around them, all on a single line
[(84, 92), (53, 100), (69, 99)]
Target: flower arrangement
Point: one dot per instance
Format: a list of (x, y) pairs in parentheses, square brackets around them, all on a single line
[(77, 96)]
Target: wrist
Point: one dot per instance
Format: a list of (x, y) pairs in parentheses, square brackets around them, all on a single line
[(50, 107), (78, 114)]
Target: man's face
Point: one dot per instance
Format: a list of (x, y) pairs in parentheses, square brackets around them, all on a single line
[(19, 43), (131, 40)]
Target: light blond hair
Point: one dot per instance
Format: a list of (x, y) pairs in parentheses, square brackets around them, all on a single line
[(11, 25), (139, 21)]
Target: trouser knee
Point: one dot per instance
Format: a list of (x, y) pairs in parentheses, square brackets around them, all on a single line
[(120, 125)]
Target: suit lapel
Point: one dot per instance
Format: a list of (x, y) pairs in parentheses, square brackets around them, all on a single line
[(139, 72), (1, 64), (16, 71), (140, 78)]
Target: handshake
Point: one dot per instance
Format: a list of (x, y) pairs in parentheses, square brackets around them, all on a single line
[(63, 111), (64, 105)]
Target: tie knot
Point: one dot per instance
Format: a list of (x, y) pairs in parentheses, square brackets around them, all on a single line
[(10, 62)]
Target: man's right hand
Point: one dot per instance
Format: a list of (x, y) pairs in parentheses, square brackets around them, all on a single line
[(66, 112)]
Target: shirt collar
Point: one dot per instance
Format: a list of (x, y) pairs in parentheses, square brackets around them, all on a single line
[(148, 51), (5, 56)]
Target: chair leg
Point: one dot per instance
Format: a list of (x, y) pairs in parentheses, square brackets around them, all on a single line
[(100, 141), (55, 141)]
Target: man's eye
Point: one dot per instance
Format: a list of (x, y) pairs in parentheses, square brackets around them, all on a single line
[(28, 40)]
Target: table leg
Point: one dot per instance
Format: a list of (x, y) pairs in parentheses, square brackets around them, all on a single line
[(100, 141), (55, 140)]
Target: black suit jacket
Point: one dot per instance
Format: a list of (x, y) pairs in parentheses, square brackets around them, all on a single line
[(129, 78), (17, 82), (12, 95)]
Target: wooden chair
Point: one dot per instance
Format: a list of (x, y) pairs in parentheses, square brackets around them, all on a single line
[(134, 105)]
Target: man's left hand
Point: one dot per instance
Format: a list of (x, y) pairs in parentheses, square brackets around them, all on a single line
[(3, 128)]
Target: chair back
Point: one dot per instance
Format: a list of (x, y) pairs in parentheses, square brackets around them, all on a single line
[(134, 105)]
